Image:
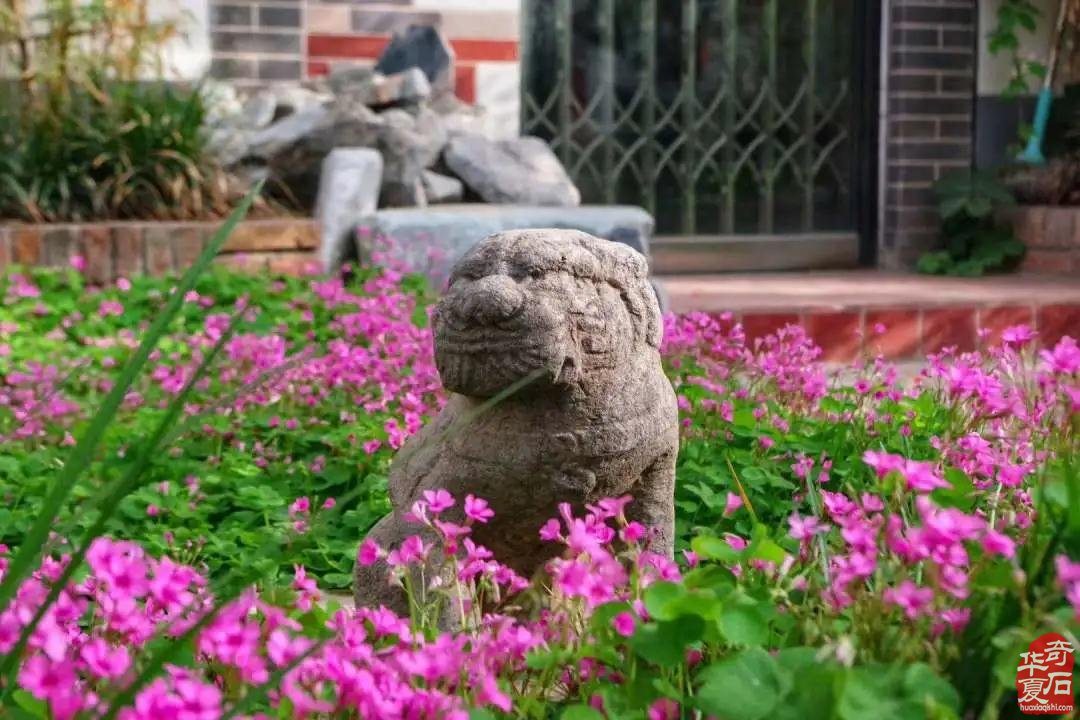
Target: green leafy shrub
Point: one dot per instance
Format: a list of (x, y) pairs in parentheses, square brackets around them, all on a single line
[(83, 136), (976, 240)]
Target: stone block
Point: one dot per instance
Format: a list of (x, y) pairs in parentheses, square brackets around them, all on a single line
[(159, 249), (269, 235), (430, 239), (442, 188), (348, 191), (95, 246), (58, 245), (519, 171), (128, 255), (26, 245), (424, 47)]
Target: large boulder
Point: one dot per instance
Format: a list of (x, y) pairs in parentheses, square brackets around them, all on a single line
[(424, 47), (447, 232), (409, 143), (521, 171), (344, 77), (442, 188), (409, 87), (348, 190)]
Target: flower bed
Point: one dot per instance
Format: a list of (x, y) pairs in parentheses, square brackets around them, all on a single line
[(849, 546)]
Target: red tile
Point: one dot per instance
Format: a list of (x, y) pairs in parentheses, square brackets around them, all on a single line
[(485, 50), (757, 325), (952, 327), (1057, 321), (994, 321), (465, 82), (839, 334), (893, 334), (316, 68), (347, 46)]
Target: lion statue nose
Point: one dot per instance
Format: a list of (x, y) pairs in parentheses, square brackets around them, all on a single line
[(491, 299)]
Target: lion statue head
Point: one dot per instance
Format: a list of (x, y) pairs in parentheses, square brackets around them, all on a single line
[(561, 302)]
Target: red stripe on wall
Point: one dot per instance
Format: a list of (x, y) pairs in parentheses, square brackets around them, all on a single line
[(347, 46), (317, 69), (465, 82), (485, 50), (371, 46)]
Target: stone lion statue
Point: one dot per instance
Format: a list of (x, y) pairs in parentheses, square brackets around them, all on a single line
[(577, 316)]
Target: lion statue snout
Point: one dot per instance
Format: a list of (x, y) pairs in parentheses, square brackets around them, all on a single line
[(489, 334), (489, 301)]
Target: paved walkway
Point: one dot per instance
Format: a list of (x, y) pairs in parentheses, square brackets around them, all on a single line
[(845, 310)]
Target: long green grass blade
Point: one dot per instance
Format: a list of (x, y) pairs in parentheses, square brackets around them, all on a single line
[(84, 451)]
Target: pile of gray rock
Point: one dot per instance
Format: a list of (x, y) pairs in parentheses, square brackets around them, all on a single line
[(391, 136)]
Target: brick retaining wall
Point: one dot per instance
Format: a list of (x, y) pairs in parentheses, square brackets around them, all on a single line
[(1052, 237), (114, 250)]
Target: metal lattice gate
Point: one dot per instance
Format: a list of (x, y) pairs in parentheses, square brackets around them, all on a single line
[(721, 117)]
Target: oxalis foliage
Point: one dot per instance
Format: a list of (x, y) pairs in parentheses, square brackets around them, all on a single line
[(850, 546)]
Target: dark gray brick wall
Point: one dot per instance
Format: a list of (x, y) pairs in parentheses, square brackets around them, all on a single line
[(257, 41), (929, 117)]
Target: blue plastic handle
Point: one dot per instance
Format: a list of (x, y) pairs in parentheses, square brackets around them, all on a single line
[(1033, 154)]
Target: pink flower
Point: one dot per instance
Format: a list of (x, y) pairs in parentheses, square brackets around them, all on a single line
[(478, 509), (412, 551), (103, 661), (1067, 570), (733, 503), (921, 477), (438, 500), (372, 446), (78, 262), (551, 531), (995, 543), (369, 553), (664, 709), (624, 624), (1018, 335), (914, 600), (804, 528), (632, 533), (883, 463)]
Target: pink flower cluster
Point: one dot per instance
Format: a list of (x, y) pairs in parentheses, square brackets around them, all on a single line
[(364, 663)]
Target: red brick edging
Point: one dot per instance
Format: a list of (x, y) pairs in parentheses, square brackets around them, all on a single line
[(114, 250), (913, 333)]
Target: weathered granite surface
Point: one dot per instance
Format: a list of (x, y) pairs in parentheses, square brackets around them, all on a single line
[(599, 419)]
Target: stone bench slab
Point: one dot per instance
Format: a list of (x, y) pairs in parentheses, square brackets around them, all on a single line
[(431, 239)]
